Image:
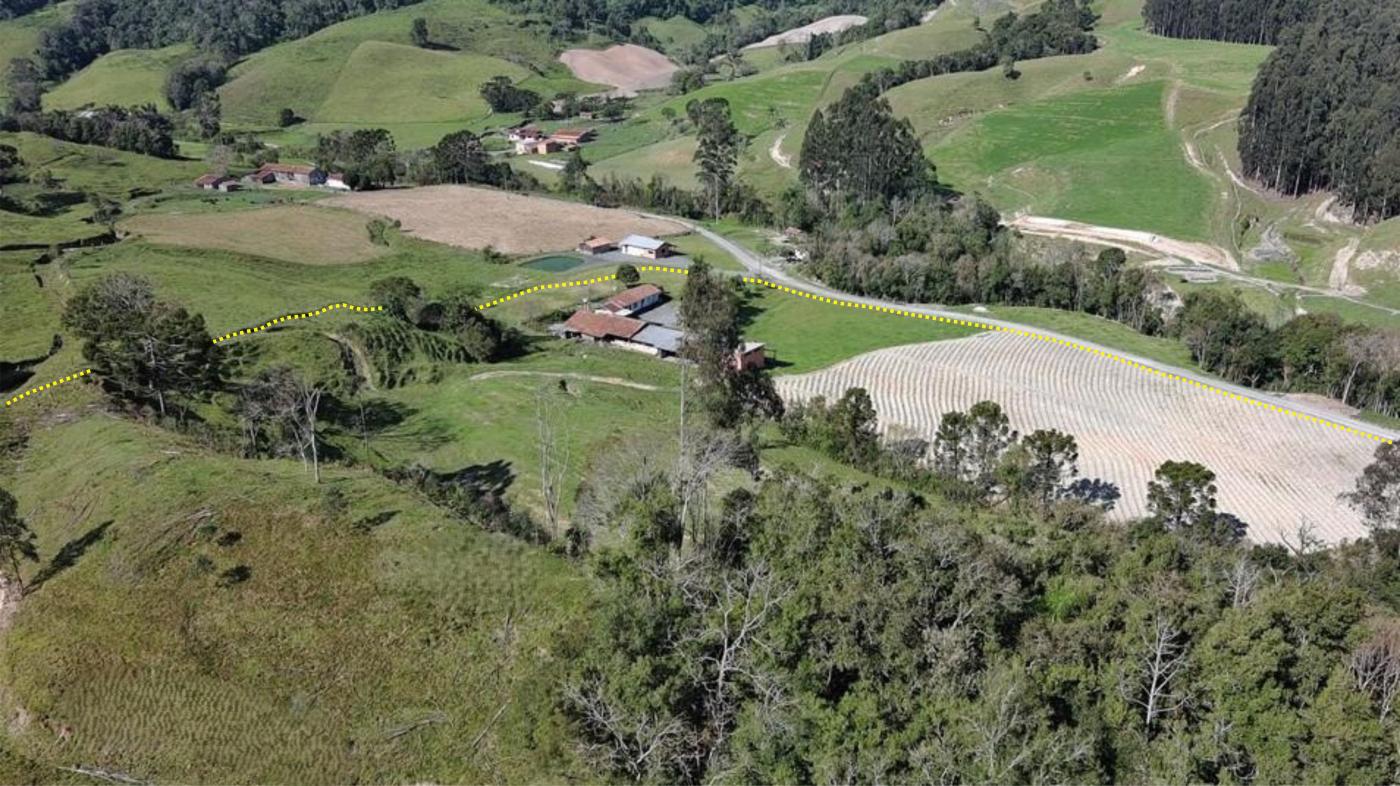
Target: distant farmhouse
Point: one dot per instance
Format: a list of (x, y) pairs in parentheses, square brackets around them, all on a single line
[(530, 140), (289, 174), (212, 182), (641, 320), (646, 247)]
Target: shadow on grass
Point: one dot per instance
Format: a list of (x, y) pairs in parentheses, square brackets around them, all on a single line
[(69, 555)]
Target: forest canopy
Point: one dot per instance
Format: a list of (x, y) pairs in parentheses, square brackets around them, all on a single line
[(1240, 21)]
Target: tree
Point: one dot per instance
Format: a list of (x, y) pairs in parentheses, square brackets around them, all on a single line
[(460, 157), (717, 150), (857, 149), (504, 96), (573, 178), (282, 406), (366, 155), (1053, 463), (1182, 498), (286, 118), (399, 296), (16, 540), (1377, 492), (709, 315), (420, 32), (26, 86), (192, 80), (628, 275), (105, 212), (146, 349), (1162, 658), (10, 164)]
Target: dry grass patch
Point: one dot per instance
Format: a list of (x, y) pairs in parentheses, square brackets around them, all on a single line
[(512, 223), (302, 234)]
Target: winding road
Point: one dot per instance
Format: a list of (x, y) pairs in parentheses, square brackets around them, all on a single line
[(758, 266)]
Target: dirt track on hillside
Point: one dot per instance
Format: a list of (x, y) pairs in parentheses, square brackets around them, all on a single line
[(1131, 238)]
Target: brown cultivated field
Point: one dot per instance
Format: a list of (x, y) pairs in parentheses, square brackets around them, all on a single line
[(627, 67), (1274, 471), (510, 223), (308, 235)]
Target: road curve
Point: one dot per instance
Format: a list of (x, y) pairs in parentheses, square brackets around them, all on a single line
[(756, 265)]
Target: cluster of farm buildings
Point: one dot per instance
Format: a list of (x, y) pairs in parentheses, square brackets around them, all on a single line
[(643, 320), (530, 140), (276, 174)]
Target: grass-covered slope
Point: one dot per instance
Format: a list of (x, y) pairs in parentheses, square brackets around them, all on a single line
[(365, 72), (127, 77), (369, 640), (20, 36)]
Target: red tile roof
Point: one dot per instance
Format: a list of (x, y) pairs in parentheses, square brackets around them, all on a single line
[(595, 325), (209, 180), (631, 297)]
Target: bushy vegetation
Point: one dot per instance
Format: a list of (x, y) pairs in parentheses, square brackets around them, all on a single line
[(138, 130), (808, 630)]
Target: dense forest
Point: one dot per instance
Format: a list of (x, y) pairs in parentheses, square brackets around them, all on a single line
[(1240, 21), (1324, 112), (9, 9)]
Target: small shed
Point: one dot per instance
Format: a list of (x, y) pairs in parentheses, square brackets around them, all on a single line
[(645, 247), (596, 245), (749, 355)]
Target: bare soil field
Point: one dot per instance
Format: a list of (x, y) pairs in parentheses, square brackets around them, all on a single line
[(511, 223), (627, 67), (800, 35), (293, 233), (1274, 471), (1112, 236)]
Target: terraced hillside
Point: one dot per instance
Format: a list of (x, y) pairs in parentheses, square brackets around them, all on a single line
[(1274, 471)]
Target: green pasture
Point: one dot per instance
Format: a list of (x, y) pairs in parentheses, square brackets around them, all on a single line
[(19, 37), (126, 77)]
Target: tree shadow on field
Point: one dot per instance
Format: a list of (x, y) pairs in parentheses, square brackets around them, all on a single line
[(1094, 491), (69, 555)]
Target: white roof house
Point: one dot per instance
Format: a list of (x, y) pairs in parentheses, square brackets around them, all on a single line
[(643, 246)]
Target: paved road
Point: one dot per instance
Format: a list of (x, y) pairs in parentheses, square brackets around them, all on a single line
[(762, 268)]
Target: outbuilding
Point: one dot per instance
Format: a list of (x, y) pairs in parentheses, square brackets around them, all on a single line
[(631, 301), (645, 247)]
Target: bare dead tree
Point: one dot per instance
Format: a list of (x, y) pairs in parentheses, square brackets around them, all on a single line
[(633, 743), (554, 460), (1376, 666), (282, 397), (1164, 657), (703, 454), (1241, 579)]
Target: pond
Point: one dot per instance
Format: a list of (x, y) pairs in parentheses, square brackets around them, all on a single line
[(554, 264)]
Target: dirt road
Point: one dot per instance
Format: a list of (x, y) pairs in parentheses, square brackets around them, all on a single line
[(1202, 253)]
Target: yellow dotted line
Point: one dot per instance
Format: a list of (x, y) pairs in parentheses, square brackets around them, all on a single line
[(293, 317), (971, 323), (47, 386), (1081, 347)]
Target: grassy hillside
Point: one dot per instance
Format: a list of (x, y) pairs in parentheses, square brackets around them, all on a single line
[(19, 37), (365, 72), (128, 77), (355, 622)]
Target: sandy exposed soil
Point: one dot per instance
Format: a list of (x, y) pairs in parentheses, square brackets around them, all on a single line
[(627, 67), (776, 153), (800, 35), (1341, 267), (1112, 236), (1274, 471), (1132, 72), (513, 223)]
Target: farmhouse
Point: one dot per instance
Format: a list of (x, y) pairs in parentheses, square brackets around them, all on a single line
[(645, 247), (524, 133), (634, 300), (213, 182), (573, 136), (636, 319), (596, 245), (289, 174)]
